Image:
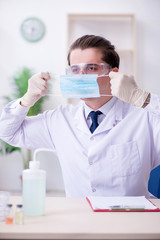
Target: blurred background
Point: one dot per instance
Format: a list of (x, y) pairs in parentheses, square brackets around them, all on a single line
[(28, 46)]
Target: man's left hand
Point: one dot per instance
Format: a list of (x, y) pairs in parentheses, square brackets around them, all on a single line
[(125, 88)]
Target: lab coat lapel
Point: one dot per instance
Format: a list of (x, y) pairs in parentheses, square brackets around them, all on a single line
[(80, 121), (112, 118)]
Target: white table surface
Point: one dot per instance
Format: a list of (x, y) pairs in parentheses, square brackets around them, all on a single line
[(73, 218)]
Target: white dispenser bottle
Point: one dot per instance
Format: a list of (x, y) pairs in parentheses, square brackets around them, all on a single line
[(34, 190)]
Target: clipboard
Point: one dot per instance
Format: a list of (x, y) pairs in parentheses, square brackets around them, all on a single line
[(122, 204)]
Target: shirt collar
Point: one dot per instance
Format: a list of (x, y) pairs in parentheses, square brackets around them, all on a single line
[(104, 109)]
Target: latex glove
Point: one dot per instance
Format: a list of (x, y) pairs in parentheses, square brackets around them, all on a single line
[(125, 88), (37, 87)]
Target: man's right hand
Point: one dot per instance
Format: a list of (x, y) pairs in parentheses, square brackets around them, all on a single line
[(37, 87)]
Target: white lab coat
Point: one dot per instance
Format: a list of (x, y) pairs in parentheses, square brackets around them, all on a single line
[(115, 160)]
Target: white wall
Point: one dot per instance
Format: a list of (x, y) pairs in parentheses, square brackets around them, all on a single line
[(49, 54)]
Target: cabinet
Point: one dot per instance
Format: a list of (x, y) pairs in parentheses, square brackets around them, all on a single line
[(117, 28)]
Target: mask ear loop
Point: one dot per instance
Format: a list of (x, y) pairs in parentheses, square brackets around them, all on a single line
[(103, 75), (54, 80), (105, 95)]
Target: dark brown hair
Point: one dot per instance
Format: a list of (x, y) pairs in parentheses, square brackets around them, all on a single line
[(109, 55)]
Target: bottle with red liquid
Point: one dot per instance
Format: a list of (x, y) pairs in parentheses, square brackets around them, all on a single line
[(9, 217)]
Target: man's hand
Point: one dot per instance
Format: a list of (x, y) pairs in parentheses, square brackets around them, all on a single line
[(37, 87), (125, 88)]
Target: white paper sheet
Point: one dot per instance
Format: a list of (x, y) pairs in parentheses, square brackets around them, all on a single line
[(122, 202)]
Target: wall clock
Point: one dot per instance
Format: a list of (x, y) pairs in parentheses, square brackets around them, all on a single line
[(32, 29)]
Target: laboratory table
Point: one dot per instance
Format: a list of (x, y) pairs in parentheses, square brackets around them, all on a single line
[(73, 218)]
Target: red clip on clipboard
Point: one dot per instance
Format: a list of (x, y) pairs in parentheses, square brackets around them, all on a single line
[(122, 204)]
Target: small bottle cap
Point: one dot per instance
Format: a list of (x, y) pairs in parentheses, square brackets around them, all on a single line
[(34, 164), (9, 205), (19, 205)]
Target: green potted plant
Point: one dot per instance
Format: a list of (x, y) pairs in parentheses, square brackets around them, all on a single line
[(20, 85)]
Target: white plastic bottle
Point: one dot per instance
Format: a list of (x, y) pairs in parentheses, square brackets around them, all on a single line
[(34, 190)]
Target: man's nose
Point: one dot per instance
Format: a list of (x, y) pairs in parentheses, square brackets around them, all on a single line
[(81, 71)]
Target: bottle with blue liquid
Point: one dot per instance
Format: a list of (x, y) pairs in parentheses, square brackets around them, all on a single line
[(34, 190)]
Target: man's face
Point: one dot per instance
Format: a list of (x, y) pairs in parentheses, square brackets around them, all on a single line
[(91, 55)]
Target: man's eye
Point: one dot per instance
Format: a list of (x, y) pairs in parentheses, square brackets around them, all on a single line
[(92, 68), (75, 69)]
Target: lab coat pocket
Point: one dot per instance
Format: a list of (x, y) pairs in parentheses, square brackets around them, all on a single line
[(125, 159)]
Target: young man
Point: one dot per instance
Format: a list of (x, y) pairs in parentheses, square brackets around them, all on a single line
[(109, 152)]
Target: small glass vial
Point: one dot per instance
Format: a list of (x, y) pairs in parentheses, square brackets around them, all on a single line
[(9, 217), (19, 216)]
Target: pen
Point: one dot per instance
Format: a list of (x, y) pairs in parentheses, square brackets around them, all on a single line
[(127, 208)]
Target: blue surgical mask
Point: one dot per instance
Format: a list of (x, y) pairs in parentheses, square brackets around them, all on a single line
[(79, 86)]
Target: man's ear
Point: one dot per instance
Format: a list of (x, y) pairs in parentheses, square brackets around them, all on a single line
[(115, 69)]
